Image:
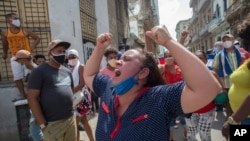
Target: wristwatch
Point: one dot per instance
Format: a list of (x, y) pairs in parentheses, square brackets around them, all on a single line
[(42, 126), (231, 121)]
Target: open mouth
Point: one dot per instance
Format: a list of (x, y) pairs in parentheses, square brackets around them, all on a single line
[(117, 72)]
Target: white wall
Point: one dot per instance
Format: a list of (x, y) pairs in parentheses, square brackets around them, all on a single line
[(101, 9), (65, 22)]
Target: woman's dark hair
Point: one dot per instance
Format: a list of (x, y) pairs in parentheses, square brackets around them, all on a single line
[(110, 50), (148, 61)]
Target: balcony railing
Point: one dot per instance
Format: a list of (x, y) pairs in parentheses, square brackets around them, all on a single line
[(213, 24), (235, 7), (204, 30)]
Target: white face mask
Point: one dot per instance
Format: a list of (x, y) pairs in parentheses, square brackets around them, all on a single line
[(228, 44), (73, 62), (16, 22)]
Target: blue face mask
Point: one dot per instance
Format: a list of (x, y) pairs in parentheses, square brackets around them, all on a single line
[(125, 85)]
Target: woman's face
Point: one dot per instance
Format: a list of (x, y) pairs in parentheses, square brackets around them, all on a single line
[(128, 65)]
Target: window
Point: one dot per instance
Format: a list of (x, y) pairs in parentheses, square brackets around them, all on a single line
[(217, 11), (225, 5), (118, 9), (88, 20)]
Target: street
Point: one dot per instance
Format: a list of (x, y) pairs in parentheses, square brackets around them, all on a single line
[(216, 129)]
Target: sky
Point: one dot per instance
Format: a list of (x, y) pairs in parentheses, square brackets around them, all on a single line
[(172, 11)]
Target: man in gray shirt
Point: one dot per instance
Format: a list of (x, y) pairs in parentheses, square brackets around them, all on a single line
[(50, 95)]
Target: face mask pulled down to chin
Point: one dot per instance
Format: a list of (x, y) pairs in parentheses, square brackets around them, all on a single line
[(126, 85)]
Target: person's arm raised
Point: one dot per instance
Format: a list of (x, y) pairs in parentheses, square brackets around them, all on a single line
[(92, 66), (201, 87)]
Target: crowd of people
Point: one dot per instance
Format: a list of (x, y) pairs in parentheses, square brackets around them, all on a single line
[(137, 96)]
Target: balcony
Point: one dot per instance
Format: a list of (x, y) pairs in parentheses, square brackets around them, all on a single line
[(236, 7), (204, 30), (213, 24), (194, 17)]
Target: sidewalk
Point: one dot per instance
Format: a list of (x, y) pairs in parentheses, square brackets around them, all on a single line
[(92, 122)]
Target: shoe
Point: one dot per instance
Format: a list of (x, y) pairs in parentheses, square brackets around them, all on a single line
[(175, 126)]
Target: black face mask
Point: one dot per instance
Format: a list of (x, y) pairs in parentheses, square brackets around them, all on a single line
[(59, 59)]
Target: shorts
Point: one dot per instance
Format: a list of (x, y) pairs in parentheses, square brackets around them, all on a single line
[(35, 132), (18, 70), (64, 129)]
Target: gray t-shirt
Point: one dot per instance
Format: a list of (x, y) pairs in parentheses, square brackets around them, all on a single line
[(55, 87)]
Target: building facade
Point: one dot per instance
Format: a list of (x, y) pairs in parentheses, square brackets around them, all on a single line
[(202, 14), (118, 20), (212, 19), (143, 15), (180, 27)]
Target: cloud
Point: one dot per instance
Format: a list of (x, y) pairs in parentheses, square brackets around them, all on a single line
[(172, 11)]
